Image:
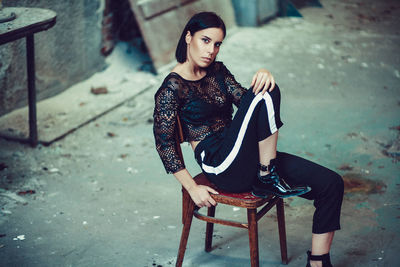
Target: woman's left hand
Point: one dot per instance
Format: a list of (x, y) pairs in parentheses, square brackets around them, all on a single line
[(263, 81)]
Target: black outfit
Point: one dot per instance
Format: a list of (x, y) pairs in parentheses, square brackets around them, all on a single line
[(228, 151)]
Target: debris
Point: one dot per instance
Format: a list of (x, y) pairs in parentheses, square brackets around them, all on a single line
[(3, 166), (19, 237), (352, 135), (99, 90), (364, 65), (395, 128), (111, 134), (26, 192), (236, 209), (390, 204), (131, 170), (2, 235), (122, 156), (351, 60), (156, 217), (1, 246), (84, 222), (53, 170), (391, 149), (345, 167), (14, 197), (397, 73), (320, 66), (328, 146)]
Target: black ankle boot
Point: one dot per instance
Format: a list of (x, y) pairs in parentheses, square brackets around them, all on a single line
[(272, 184), (326, 259)]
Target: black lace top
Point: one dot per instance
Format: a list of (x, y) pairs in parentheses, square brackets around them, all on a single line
[(203, 107)]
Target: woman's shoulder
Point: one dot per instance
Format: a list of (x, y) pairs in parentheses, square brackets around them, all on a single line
[(218, 66), (172, 81)]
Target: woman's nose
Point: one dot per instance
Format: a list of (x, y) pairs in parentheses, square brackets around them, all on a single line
[(211, 50)]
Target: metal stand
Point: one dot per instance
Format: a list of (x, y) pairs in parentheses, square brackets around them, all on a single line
[(15, 30), (30, 62)]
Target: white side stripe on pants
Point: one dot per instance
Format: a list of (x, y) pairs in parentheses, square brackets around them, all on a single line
[(271, 112), (235, 150)]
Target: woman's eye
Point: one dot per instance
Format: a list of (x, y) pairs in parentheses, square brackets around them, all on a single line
[(217, 45), (206, 40)]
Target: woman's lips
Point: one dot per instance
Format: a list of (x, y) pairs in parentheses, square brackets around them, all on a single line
[(207, 59)]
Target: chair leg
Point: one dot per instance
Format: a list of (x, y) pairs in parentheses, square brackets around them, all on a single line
[(253, 236), (185, 233), (185, 200), (282, 230), (209, 229)]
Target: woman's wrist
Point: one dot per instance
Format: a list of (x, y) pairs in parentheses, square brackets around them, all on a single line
[(186, 180)]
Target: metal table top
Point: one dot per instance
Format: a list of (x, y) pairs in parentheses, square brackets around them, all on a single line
[(28, 21)]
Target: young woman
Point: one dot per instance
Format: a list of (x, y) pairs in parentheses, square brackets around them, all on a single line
[(237, 154)]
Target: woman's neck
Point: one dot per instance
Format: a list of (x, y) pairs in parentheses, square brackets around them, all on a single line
[(190, 71)]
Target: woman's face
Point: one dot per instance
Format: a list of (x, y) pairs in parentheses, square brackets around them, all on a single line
[(203, 46)]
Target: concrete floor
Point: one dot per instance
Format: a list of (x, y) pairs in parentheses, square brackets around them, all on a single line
[(101, 196)]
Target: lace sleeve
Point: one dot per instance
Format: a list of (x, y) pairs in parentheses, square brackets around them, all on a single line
[(165, 112), (235, 89)]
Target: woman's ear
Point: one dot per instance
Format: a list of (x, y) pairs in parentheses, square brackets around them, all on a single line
[(188, 37)]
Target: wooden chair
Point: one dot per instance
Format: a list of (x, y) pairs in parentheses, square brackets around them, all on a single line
[(243, 200)]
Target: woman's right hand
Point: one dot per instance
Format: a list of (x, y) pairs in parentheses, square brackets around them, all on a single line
[(200, 195)]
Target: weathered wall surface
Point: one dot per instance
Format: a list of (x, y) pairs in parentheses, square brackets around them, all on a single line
[(65, 54)]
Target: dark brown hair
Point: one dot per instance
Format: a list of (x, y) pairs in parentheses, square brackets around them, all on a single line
[(198, 22)]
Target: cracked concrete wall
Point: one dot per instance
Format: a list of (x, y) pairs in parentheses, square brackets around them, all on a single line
[(65, 54)]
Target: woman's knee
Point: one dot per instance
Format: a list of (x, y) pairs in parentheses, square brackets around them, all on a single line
[(274, 95), (335, 184)]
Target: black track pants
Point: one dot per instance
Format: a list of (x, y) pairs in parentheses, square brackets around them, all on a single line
[(229, 159)]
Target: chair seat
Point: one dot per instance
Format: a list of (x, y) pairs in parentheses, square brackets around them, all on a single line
[(245, 199)]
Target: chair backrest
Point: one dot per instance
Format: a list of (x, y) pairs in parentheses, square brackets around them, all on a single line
[(179, 137)]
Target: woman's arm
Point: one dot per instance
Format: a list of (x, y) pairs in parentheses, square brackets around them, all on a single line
[(165, 112), (262, 81), (200, 194)]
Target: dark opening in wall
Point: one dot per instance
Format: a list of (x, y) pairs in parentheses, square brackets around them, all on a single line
[(120, 26)]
